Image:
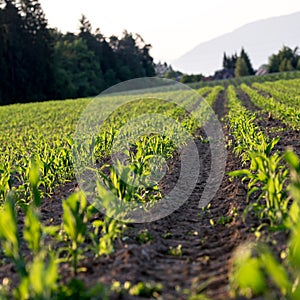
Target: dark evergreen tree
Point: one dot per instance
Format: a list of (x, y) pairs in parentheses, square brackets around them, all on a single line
[(146, 59), (225, 60), (14, 75), (229, 62), (274, 63), (246, 58), (85, 26), (38, 50), (96, 43), (129, 64)]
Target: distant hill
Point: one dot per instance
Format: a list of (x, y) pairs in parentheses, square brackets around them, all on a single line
[(260, 39)]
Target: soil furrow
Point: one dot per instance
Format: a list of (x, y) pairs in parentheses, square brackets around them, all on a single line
[(206, 249), (272, 127)]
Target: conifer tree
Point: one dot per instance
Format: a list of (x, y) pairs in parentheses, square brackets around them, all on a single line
[(241, 68), (246, 58)]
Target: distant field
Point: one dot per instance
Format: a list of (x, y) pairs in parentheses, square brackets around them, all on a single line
[(249, 79)]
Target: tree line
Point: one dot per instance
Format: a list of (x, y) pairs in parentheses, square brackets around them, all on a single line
[(39, 63), (287, 59), (240, 65)]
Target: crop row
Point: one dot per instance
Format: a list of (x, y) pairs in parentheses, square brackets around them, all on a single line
[(265, 174), (286, 93), (289, 115), (256, 270)]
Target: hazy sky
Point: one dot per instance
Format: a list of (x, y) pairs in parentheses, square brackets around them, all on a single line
[(172, 27)]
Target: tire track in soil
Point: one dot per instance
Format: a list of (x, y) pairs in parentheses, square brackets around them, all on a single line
[(271, 126), (206, 249)]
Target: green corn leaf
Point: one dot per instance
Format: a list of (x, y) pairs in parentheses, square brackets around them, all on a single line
[(9, 229), (293, 160), (34, 179), (32, 229), (276, 271), (43, 276), (240, 173)]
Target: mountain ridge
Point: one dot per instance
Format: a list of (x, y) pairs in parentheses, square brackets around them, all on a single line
[(259, 38)]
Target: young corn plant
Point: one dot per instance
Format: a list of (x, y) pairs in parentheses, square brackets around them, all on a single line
[(131, 184), (120, 181), (9, 235), (267, 176), (116, 193), (106, 231), (75, 217)]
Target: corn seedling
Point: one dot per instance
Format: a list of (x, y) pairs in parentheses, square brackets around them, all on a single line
[(75, 224)]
